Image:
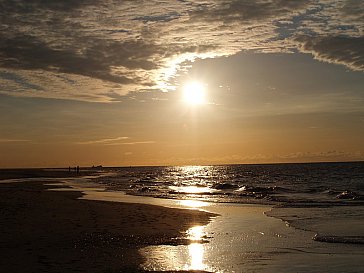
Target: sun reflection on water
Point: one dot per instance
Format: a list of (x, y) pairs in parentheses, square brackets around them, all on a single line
[(191, 189), (193, 203), (192, 181)]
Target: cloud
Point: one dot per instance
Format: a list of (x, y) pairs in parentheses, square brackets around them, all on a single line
[(135, 143), (113, 141), (246, 11), (321, 156), (104, 141), (332, 155), (24, 6), (353, 9), (8, 140), (348, 51), (98, 50), (351, 13), (26, 52)]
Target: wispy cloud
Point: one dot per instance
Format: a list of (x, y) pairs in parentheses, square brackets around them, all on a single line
[(322, 156), (332, 155), (134, 143), (114, 141), (104, 141), (7, 140)]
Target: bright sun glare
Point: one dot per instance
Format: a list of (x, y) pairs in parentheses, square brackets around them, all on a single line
[(194, 93)]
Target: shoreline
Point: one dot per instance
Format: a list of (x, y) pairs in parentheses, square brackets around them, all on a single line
[(48, 231), (245, 237)]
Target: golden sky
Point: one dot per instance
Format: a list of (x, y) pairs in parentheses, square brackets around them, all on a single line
[(180, 82)]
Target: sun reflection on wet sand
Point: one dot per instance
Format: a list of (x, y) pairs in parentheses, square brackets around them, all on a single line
[(195, 249), (195, 233), (181, 257), (196, 252)]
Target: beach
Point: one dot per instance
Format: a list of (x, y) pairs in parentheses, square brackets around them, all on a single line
[(206, 136), (59, 221), (49, 231)]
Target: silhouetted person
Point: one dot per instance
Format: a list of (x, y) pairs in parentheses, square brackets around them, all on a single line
[(69, 169), (78, 169)]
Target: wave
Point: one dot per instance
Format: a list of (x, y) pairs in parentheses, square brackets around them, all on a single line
[(267, 189), (289, 185), (339, 239), (225, 186), (350, 195)]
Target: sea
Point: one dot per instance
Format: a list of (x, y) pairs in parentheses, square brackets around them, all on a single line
[(306, 217), (292, 185)]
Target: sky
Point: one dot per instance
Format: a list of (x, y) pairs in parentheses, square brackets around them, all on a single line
[(180, 82)]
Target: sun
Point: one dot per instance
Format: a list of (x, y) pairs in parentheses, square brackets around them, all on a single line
[(194, 93)]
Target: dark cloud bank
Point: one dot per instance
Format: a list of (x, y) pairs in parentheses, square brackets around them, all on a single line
[(348, 51)]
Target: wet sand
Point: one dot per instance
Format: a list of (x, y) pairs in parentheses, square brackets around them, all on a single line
[(54, 231), (48, 231), (241, 239)]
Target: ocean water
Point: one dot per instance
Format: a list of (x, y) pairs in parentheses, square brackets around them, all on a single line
[(273, 218), (314, 184), (325, 198)]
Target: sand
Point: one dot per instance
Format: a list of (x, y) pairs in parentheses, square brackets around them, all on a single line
[(55, 231), (49, 231)]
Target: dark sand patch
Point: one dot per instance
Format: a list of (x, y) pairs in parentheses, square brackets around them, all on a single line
[(47, 231)]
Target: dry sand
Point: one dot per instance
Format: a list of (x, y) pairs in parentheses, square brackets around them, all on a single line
[(48, 231)]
